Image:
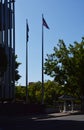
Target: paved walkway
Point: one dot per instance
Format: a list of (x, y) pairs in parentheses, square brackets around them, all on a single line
[(37, 116), (50, 115), (49, 121), (63, 113)]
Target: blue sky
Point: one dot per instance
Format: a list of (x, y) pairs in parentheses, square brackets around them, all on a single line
[(66, 21)]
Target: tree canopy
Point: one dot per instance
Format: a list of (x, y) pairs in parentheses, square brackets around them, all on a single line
[(17, 64), (3, 60), (65, 65)]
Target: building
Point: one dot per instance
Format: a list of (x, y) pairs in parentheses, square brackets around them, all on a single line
[(7, 46)]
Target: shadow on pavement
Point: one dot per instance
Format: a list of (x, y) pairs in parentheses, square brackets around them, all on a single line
[(32, 124)]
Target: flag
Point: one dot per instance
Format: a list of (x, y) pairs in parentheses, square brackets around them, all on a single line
[(27, 30), (12, 0), (45, 23)]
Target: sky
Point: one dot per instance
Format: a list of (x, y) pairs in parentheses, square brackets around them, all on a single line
[(65, 19)]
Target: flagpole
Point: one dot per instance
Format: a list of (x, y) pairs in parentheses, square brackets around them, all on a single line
[(26, 64), (14, 47), (44, 23), (42, 62)]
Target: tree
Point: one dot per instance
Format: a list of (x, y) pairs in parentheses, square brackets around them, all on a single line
[(65, 65), (52, 91), (3, 61), (20, 93), (34, 92), (17, 64)]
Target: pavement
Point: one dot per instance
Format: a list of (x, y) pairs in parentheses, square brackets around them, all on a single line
[(64, 113), (54, 115), (37, 116), (62, 120)]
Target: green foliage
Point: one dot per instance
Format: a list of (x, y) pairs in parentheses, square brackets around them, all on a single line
[(34, 92), (3, 61), (51, 92), (20, 93), (17, 64), (65, 65)]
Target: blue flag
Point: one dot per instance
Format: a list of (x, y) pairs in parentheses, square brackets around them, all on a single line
[(27, 30), (45, 24)]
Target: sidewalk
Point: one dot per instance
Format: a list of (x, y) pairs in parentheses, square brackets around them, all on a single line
[(50, 115), (37, 116), (63, 113)]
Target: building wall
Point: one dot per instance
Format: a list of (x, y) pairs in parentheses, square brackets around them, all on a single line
[(7, 41)]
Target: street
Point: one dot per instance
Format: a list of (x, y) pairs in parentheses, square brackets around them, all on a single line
[(72, 122)]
